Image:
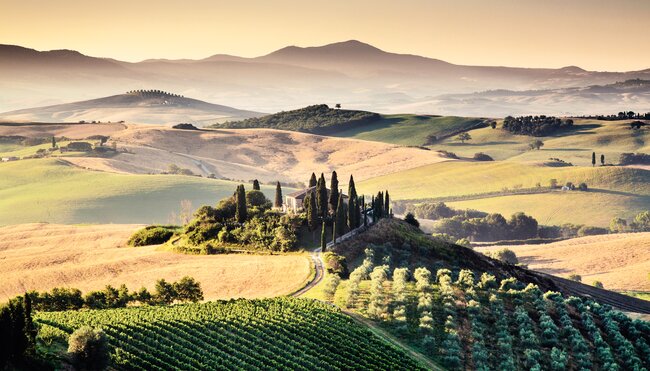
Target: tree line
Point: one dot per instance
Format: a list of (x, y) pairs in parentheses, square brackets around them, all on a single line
[(536, 126)]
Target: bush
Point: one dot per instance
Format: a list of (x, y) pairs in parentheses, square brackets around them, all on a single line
[(583, 187), (575, 277), (504, 255), (480, 156), (598, 284), (88, 349), (410, 219), (536, 126), (591, 231), (336, 264), (151, 235)]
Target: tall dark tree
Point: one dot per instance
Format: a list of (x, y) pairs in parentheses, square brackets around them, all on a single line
[(313, 181), (312, 211), (373, 208), (386, 205), (278, 196), (241, 214), (334, 192), (363, 210), (353, 209), (602, 160), (341, 219), (256, 185), (321, 196), (593, 159), (379, 207), (323, 238), (28, 327), (53, 142)]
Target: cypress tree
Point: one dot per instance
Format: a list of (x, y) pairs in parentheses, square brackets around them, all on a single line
[(602, 160), (334, 192), (593, 159), (387, 205), (312, 180), (28, 327), (321, 196), (312, 211), (363, 210), (278, 195), (256, 185), (241, 213), (323, 243), (352, 204), (53, 142), (380, 205), (341, 216), (373, 208)]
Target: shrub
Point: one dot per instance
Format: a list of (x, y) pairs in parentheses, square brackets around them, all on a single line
[(575, 277), (335, 264), (598, 284), (88, 349), (583, 187), (480, 156), (151, 235), (505, 255), (591, 231), (410, 219)]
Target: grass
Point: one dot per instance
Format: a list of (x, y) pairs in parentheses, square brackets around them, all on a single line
[(409, 130), (41, 257), (49, 190)]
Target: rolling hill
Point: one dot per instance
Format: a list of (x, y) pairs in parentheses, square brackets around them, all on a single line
[(620, 261), (353, 73), (144, 107), (88, 257)]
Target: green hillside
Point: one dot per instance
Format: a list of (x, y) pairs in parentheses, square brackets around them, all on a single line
[(317, 119), (281, 333), (613, 191), (49, 190), (409, 130)]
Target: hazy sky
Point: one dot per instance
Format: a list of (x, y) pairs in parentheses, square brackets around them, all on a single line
[(593, 34)]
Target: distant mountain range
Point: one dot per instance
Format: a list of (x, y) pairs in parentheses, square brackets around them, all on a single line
[(352, 73), (144, 107)]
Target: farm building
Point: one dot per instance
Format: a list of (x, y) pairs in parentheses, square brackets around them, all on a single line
[(293, 202)]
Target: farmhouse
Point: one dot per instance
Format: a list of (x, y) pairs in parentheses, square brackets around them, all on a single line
[(293, 202)]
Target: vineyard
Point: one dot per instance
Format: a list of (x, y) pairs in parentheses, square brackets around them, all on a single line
[(466, 322), (280, 333)]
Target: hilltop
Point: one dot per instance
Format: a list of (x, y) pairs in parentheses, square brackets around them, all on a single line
[(139, 106)]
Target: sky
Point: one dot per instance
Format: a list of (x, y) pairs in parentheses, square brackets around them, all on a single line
[(593, 34)]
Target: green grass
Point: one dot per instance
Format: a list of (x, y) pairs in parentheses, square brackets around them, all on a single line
[(280, 333), (410, 130), (48, 190), (610, 138)]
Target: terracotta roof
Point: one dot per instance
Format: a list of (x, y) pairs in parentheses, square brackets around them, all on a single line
[(303, 192)]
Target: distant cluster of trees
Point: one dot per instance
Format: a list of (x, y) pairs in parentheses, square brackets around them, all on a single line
[(641, 223), (153, 94), (185, 290), (634, 159), (535, 126), (318, 119), (623, 115)]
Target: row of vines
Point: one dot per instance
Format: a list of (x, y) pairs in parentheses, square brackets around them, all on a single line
[(281, 333)]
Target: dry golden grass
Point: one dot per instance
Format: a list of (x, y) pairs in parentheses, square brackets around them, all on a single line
[(265, 154), (72, 131), (620, 261), (44, 256)]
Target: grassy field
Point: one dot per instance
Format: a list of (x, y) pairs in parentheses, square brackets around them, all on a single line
[(620, 261), (43, 256), (575, 145), (409, 130), (48, 190)]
